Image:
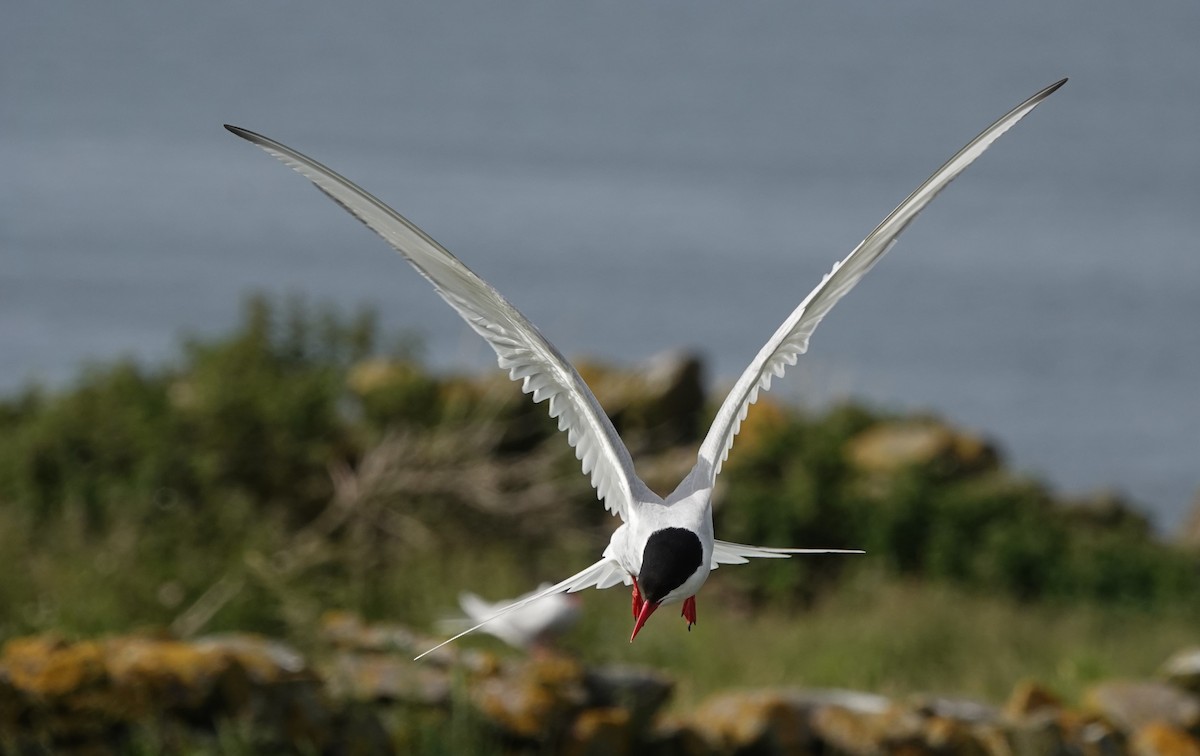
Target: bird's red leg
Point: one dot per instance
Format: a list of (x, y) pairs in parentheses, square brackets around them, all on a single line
[(689, 611), (637, 599)]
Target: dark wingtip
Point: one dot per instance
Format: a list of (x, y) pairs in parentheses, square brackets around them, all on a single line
[(239, 131)]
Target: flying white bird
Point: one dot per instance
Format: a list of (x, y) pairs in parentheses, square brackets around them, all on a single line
[(665, 548), (534, 623)]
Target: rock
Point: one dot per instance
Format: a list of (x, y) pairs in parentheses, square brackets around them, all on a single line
[(1161, 739), (780, 720), (1131, 705), (965, 710), (150, 674), (960, 726), (379, 677), (11, 703), (640, 691), (887, 448), (1106, 510), (851, 700), (226, 676), (865, 731), (266, 661), (658, 406), (1189, 530), (766, 418), (48, 668), (57, 691), (662, 471), (673, 736), (347, 630), (752, 722), (1182, 669), (1036, 735), (1099, 738), (533, 700), (1029, 698), (91, 694), (599, 732), (954, 736), (395, 390)]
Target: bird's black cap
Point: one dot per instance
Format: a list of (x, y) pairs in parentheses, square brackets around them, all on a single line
[(670, 558)]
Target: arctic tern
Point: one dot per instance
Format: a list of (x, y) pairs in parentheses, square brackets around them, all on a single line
[(664, 548)]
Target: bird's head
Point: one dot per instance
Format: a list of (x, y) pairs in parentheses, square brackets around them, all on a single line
[(671, 556)]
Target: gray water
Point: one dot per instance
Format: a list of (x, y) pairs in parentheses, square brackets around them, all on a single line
[(639, 177)]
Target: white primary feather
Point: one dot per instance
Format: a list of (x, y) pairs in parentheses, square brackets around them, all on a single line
[(791, 339), (725, 552), (520, 348)]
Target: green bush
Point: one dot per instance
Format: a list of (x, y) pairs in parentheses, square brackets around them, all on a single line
[(257, 417), (982, 527)]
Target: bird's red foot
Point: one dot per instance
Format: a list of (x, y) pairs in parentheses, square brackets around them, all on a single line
[(689, 611), (637, 600)]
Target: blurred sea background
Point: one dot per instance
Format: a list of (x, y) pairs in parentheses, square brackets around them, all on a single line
[(639, 178)]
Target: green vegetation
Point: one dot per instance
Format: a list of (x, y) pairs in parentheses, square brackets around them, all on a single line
[(296, 466), (876, 633)]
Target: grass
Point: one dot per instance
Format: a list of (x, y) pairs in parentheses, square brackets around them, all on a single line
[(891, 637)]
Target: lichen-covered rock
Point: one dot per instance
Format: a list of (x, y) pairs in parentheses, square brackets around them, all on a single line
[(600, 732), (535, 700), (49, 668), (862, 732), (763, 721), (945, 735), (96, 696), (1161, 739), (347, 630), (890, 447), (1131, 705), (1189, 531), (966, 710), (958, 725), (657, 406), (1031, 698), (56, 688), (394, 389), (10, 700), (1182, 669), (846, 722), (151, 674), (639, 690), (1035, 735), (265, 660), (675, 736), (767, 418), (379, 677), (1106, 510), (90, 694)]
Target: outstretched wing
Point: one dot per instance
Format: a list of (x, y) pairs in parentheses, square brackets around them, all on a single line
[(791, 339), (725, 552), (603, 574), (520, 348)]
